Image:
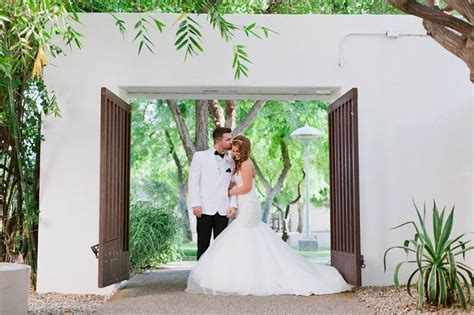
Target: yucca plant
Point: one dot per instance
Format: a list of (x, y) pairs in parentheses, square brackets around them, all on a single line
[(442, 279)]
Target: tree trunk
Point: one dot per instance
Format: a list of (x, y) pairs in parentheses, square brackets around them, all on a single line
[(300, 206), (217, 113), (202, 126), (230, 114), (183, 131), (285, 215), (182, 188), (267, 205), (271, 191)]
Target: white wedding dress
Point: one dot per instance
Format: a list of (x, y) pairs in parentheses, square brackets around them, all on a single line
[(249, 258)]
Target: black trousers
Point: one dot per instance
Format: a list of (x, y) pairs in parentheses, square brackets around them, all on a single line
[(205, 225)]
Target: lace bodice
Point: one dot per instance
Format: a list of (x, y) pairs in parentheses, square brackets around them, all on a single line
[(248, 204)]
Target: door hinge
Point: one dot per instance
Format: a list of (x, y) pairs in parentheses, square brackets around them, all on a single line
[(362, 261), (95, 250)]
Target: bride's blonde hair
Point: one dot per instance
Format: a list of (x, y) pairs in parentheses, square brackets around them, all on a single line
[(244, 146)]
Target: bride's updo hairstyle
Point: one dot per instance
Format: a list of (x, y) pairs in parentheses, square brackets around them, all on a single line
[(243, 145)]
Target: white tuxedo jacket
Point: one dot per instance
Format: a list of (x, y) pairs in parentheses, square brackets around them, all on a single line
[(206, 187)]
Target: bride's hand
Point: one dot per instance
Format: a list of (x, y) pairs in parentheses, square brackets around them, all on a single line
[(232, 213), (232, 191)]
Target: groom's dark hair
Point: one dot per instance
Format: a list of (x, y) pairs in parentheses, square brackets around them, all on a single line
[(219, 132)]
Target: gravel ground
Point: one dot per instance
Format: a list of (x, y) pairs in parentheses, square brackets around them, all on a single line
[(161, 291), (55, 303), (389, 300)]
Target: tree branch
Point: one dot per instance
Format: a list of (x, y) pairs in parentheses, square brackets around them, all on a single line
[(465, 8), (278, 208), (264, 181), (183, 131), (299, 190), (286, 163), (433, 15), (250, 116), (175, 156)]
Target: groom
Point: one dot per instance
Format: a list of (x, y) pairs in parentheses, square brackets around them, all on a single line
[(209, 179)]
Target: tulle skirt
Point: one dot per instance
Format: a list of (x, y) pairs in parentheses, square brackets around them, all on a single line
[(253, 260)]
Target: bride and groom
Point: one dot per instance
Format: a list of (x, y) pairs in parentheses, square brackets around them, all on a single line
[(247, 257)]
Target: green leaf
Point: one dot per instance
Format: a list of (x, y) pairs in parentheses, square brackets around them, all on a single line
[(433, 284), (159, 25), (464, 251), (467, 270), (181, 45), (120, 24), (181, 29), (196, 44), (180, 39), (250, 27), (409, 281), (446, 232), (196, 31), (460, 294), (424, 235), (267, 31), (397, 272), (236, 58), (419, 255), (437, 225), (443, 290), (421, 289), (148, 40), (466, 286), (139, 33), (453, 271)]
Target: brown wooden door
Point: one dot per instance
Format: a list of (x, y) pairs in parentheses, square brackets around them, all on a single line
[(344, 187), (115, 124)]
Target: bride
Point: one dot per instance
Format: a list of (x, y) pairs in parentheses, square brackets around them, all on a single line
[(248, 257)]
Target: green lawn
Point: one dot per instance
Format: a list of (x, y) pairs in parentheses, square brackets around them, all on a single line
[(322, 252), (189, 252)]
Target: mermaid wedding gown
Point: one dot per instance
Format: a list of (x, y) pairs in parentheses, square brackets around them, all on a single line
[(249, 258)]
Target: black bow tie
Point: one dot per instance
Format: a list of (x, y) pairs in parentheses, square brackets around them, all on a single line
[(219, 154)]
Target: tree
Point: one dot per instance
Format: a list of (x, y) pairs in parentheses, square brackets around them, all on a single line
[(452, 25), (285, 214), (279, 159), (202, 110), (24, 100)]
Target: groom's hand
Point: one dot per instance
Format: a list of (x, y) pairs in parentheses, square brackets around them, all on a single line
[(197, 211)]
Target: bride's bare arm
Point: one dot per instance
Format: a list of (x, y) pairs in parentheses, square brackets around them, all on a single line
[(246, 171)]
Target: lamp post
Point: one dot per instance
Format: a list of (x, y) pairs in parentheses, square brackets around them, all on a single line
[(306, 135)]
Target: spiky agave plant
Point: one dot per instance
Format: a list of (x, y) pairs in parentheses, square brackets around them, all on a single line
[(442, 280)]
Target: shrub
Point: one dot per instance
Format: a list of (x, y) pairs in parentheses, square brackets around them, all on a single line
[(442, 280)]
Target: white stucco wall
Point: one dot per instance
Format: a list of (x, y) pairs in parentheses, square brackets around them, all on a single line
[(415, 121)]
